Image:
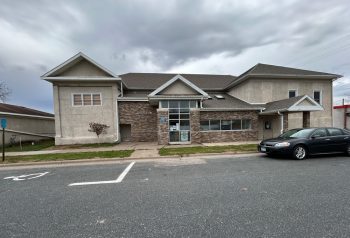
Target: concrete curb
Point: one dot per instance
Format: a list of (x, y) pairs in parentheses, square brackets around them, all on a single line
[(127, 159)]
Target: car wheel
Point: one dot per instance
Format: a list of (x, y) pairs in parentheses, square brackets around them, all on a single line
[(299, 152), (348, 150)]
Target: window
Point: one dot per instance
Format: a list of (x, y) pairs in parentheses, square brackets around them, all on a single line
[(87, 99), (96, 99), (236, 125), (335, 132), (292, 93), (214, 125), (178, 104), (318, 96), (204, 125), (320, 133), (77, 101), (246, 124), (226, 125)]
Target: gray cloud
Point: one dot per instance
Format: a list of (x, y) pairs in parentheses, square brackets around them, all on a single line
[(192, 36)]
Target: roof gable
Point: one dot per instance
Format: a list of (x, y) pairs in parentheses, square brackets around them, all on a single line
[(177, 78), (80, 65), (300, 103)]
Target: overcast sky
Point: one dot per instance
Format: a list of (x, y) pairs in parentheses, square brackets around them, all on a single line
[(214, 37)]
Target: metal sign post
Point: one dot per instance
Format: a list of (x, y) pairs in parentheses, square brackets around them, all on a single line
[(3, 125)]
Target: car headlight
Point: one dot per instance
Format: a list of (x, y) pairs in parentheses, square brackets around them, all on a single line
[(282, 144)]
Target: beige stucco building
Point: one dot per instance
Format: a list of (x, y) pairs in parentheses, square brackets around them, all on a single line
[(186, 108)]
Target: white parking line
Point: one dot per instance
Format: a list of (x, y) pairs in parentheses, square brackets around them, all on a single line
[(118, 180)]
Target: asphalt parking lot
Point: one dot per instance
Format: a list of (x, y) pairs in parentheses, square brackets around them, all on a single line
[(234, 197)]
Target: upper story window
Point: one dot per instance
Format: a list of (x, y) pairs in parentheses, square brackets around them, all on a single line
[(178, 104), (292, 93), (87, 99), (318, 96)]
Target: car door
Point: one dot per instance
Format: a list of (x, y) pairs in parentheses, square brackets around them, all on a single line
[(319, 141), (338, 140)]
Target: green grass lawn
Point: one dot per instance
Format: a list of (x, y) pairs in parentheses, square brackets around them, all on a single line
[(81, 146), (70, 156), (27, 146), (248, 148)]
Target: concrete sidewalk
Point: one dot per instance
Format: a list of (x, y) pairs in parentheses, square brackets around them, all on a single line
[(141, 149)]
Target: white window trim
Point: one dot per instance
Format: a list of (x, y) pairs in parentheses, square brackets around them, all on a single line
[(210, 130), (296, 92), (321, 95), (82, 100)]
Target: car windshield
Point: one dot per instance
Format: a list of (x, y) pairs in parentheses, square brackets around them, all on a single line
[(297, 133)]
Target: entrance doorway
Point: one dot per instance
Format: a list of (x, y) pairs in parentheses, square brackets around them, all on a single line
[(125, 132)]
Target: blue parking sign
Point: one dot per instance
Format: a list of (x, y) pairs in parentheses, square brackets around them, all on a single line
[(3, 122)]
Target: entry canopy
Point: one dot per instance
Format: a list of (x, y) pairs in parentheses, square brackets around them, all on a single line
[(295, 104)]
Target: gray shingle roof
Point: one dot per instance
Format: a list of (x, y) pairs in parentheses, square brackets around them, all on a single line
[(9, 108), (274, 70), (228, 102), (152, 81), (281, 104)]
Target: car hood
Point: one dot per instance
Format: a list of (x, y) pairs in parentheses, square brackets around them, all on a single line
[(274, 141)]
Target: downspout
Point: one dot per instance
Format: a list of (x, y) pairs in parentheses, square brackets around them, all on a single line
[(117, 120)]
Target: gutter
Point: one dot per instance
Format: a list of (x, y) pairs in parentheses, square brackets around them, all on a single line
[(26, 115), (231, 109)]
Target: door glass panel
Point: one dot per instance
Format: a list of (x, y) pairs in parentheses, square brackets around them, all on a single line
[(173, 116), (185, 125)]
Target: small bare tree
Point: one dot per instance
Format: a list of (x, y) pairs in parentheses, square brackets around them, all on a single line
[(98, 129), (4, 91)]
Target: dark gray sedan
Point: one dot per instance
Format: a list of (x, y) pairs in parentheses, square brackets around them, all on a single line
[(300, 143)]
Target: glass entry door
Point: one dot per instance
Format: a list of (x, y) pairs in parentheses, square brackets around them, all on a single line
[(179, 121)]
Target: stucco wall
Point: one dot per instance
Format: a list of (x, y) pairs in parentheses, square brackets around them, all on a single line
[(142, 117), (178, 88), (295, 120), (267, 90), (40, 126), (338, 120), (72, 122), (83, 68)]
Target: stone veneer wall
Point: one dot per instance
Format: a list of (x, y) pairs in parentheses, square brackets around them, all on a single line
[(163, 128), (227, 136), (142, 117), (195, 126)]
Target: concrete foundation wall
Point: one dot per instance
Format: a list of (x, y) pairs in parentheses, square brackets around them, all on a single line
[(143, 120), (72, 122)]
